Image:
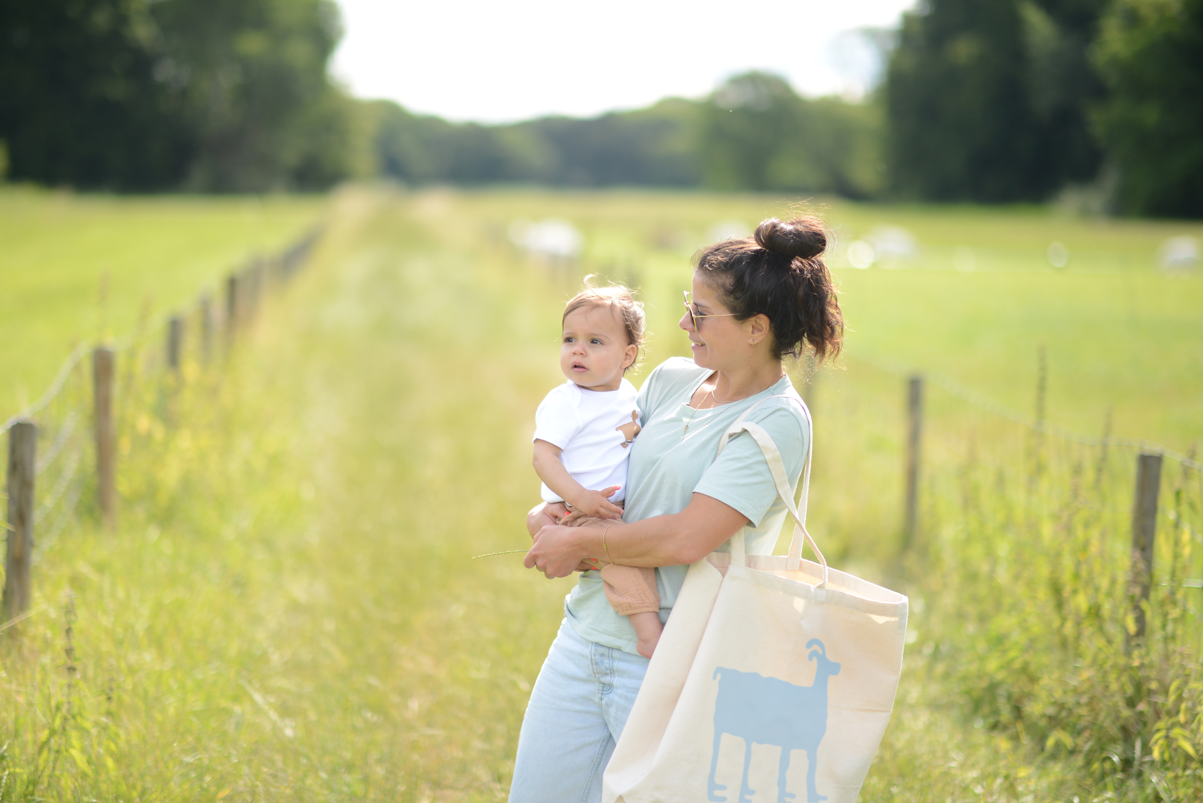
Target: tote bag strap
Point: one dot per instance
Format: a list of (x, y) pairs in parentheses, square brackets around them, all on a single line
[(777, 468)]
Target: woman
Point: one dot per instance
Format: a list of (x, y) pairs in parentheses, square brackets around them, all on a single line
[(754, 301)]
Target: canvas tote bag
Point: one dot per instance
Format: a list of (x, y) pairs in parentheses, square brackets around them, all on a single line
[(774, 678)]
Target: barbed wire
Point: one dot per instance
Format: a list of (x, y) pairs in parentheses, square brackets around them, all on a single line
[(51, 535), (981, 400), (66, 429), (60, 487), (56, 386)]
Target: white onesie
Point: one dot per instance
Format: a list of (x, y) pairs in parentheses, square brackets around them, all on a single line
[(584, 424)]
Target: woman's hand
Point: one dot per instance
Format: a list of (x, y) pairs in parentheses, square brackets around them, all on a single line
[(559, 551), (549, 514)]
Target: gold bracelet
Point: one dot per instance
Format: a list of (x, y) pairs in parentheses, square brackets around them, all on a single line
[(604, 547)]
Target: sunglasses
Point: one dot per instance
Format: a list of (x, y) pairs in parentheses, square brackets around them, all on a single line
[(693, 316)]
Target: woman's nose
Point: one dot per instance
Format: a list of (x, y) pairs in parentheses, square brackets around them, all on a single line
[(685, 323)]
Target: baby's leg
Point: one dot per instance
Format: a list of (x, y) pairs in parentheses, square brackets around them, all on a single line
[(632, 593), (647, 632)]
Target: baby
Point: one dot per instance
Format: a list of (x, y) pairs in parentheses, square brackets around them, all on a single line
[(583, 431)]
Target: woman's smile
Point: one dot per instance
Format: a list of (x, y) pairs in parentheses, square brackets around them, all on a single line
[(723, 333)]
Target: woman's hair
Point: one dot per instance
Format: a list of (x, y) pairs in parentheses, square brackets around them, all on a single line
[(778, 272), (618, 297)]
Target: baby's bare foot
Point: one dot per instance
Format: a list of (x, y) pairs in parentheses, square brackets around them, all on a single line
[(646, 647), (647, 632)]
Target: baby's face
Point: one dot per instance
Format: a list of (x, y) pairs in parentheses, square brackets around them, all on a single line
[(594, 349)]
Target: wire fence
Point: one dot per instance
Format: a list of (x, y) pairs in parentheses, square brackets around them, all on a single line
[(1052, 549), (1094, 543), (64, 447)]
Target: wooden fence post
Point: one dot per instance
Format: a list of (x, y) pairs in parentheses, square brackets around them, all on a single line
[(22, 471), (1144, 530), (914, 408), (106, 434), (206, 322), (232, 304), (175, 342)]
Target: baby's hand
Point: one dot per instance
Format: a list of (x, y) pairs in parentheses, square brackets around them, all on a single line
[(598, 504)]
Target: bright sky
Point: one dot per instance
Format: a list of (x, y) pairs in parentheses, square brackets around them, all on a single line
[(499, 60)]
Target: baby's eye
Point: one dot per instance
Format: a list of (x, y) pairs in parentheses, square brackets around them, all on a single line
[(596, 341), (568, 339)]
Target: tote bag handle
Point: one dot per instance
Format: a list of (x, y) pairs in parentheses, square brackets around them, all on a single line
[(777, 468)]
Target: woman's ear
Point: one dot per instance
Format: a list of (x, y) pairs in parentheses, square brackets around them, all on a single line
[(758, 328)]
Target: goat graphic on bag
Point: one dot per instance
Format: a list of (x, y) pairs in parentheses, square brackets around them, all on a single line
[(769, 711)]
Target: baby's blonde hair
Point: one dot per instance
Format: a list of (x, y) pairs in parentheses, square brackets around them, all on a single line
[(614, 295)]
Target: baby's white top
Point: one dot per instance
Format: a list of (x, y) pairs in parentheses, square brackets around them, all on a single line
[(584, 424)]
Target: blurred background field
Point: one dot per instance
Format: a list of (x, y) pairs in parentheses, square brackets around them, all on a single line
[(288, 607), (78, 268), (402, 196)]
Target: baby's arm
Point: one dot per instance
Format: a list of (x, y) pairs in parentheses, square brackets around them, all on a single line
[(550, 469)]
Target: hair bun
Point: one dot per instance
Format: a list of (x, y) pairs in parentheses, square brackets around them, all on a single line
[(801, 237)]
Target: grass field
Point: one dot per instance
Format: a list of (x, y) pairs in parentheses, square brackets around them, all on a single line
[(82, 268), (288, 608)]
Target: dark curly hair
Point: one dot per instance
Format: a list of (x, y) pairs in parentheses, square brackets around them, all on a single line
[(778, 272)]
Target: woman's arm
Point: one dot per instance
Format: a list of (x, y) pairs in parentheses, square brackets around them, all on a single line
[(670, 540)]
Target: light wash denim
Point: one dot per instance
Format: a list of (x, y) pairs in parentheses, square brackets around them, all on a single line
[(576, 713)]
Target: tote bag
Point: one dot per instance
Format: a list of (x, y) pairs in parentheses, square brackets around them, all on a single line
[(774, 678)]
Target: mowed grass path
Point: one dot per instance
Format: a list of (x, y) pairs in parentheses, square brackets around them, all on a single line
[(289, 609)]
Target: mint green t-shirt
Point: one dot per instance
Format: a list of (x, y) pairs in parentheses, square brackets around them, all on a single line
[(669, 464)]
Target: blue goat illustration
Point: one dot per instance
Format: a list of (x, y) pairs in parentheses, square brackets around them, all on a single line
[(770, 711)]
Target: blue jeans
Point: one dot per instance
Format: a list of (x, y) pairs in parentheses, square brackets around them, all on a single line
[(576, 713)]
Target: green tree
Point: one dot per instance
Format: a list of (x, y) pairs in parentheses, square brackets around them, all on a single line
[(959, 123), (652, 146), (986, 100), (1150, 54), (254, 75), (756, 133), (214, 95), (1062, 86), (79, 99), (746, 133), (425, 149)]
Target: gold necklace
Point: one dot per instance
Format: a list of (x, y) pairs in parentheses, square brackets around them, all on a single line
[(694, 411), (710, 395)]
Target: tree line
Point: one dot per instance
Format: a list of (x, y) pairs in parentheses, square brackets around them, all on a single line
[(982, 100), (1013, 100), (754, 133), (203, 95)]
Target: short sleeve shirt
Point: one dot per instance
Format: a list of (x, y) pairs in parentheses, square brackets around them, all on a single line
[(587, 426), (674, 457)]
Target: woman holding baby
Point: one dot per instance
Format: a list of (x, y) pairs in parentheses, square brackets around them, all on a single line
[(754, 301)]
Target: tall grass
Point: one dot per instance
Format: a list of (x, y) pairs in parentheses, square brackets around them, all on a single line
[(1021, 580), (288, 608)]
